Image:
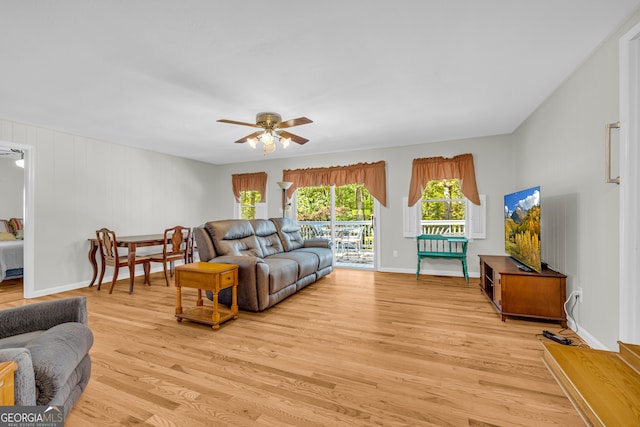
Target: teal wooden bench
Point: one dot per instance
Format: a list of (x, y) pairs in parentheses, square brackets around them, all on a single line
[(439, 246)]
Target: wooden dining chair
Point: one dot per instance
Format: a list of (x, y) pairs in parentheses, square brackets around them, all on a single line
[(108, 245), (176, 247)]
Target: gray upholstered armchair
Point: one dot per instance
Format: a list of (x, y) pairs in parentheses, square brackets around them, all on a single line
[(50, 342)]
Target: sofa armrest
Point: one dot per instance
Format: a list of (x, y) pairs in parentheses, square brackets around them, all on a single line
[(24, 382), (240, 261), (253, 273), (318, 242), (206, 251), (41, 316)]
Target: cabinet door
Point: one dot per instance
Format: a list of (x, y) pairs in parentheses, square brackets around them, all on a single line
[(497, 289), (533, 296)]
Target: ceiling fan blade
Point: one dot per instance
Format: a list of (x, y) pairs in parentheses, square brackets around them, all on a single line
[(253, 135), (294, 122), (295, 138), (233, 122)]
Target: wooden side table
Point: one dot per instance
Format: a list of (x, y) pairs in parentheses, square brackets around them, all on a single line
[(6, 383), (205, 276)]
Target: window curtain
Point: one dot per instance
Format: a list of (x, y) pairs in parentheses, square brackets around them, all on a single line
[(432, 168), (249, 182), (372, 175)]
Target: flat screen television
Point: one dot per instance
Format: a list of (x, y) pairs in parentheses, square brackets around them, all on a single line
[(522, 228)]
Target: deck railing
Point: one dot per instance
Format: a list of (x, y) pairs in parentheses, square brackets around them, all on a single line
[(446, 228), (310, 229)]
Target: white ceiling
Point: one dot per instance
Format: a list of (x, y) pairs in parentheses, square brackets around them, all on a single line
[(157, 74)]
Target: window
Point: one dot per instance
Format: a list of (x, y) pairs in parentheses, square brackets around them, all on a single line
[(250, 206), (248, 191), (443, 208)]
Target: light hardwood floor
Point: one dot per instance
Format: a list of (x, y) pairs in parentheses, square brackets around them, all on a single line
[(357, 348)]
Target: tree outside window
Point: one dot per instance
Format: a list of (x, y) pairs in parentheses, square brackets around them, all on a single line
[(353, 203), (248, 202), (442, 201)]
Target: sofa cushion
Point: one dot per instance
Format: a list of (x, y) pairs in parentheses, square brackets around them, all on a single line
[(267, 236), (307, 261), (325, 255), (289, 233), (282, 273), (233, 237), (20, 340), (55, 354)]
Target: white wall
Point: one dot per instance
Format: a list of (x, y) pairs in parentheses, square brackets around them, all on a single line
[(82, 184), (11, 185), (561, 148)]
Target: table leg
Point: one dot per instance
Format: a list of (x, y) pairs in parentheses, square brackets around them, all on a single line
[(93, 248), (234, 300), (178, 303), (216, 314), (199, 301), (132, 264)]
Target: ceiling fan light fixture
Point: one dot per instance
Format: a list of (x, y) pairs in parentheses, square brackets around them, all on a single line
[(270, 148), (266, 137), (271, 133)]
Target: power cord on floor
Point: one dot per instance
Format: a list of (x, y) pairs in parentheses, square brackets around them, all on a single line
[(566, 332), (570, 312)]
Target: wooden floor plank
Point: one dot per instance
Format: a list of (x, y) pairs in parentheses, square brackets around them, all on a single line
[(357, 348)]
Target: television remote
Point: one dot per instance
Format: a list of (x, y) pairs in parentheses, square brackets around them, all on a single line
[(557, 338)]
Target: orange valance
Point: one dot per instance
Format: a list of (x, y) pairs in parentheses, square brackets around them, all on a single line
[(433, 168), (371, 175), (249, 182)]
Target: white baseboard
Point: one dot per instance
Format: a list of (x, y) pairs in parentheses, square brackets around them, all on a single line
[(586, 336), (451, 273), (122, 274)]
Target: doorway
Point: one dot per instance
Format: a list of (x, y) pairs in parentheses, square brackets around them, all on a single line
[(629, 186), (28, 216), (346, 216)]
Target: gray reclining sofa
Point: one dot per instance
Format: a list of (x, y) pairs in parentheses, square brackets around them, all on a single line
[(50, 342), (273, 260)]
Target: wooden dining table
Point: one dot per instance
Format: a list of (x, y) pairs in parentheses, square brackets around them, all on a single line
[(129, 242)]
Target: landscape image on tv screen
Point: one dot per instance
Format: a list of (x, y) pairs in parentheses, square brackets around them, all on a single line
[(522, 227)]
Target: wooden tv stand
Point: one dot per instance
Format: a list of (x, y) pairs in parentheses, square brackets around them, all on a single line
[(514, 292)]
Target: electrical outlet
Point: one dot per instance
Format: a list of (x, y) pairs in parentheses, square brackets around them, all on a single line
[(579, 294), (395, 254)]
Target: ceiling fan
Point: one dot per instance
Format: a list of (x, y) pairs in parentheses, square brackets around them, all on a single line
[(14, 153), (272, 125)]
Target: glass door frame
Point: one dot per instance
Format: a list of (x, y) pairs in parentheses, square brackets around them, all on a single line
[(333, 236)]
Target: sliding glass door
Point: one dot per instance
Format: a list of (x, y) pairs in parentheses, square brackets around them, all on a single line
[(345, 215)]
